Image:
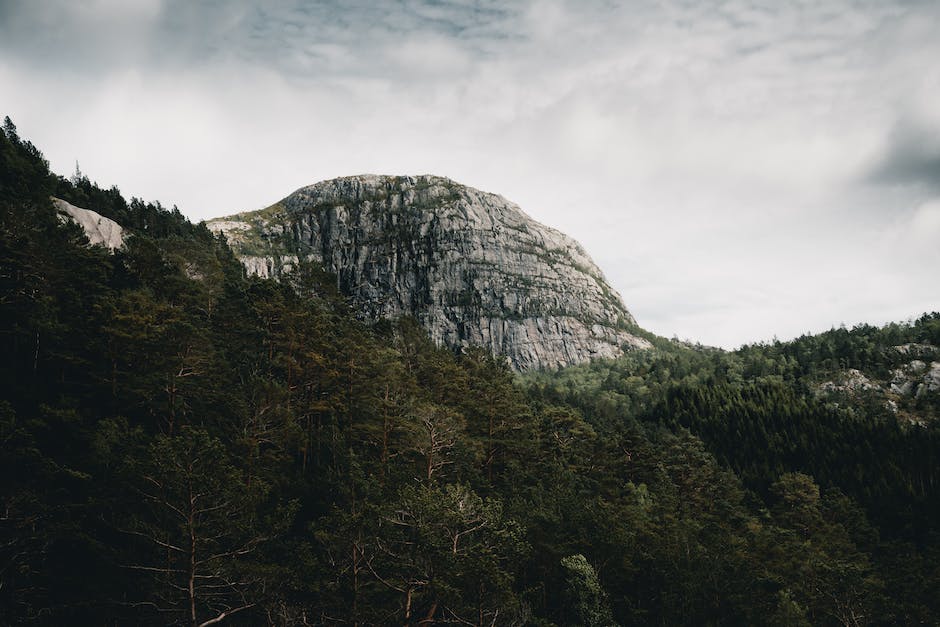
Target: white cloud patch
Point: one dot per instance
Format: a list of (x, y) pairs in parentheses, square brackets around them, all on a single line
[(716, 158)]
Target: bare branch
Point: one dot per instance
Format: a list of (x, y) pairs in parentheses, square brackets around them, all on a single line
[(224, 615)]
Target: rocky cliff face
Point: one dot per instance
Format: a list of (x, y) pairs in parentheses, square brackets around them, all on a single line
[(470, 266)]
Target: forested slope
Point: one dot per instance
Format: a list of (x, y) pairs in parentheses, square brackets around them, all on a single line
[(182, 444)]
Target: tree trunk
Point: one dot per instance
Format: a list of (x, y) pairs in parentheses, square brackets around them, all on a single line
[(356, 554), (429, 618), (490, 453), (36, 354), (408, 607), (385, 434), (192, 555)]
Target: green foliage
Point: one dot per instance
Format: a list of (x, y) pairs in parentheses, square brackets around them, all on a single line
[(586, 599), (166, 421)]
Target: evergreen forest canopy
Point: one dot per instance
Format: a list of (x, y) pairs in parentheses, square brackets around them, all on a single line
[(183, 444)]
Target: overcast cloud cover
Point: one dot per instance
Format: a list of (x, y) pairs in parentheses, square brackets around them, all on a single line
[(739, 169)]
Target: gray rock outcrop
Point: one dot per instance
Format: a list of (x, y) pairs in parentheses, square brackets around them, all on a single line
[(851, 381), (99, 230), (915, 378), (931, 381), (469, 265)]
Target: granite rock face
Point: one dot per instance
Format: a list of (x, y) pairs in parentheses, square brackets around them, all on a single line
[(99, 230), (470, 266)]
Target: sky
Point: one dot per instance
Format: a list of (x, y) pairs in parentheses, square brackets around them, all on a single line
[(740, 170)]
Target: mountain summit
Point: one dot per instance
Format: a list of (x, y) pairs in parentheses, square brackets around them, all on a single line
[(470, 266)]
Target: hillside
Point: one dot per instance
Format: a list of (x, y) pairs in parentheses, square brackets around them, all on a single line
[(184, 443)]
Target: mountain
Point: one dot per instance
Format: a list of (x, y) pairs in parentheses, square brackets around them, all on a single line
[(469, 265)]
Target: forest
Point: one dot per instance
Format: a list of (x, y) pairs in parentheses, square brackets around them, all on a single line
[(186, 445)]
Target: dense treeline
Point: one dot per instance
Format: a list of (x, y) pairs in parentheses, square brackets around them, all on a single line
[(892, 471), (183, 444), (763, 413)]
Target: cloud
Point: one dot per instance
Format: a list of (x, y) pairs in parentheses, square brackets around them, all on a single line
[(912, 157), (716, 157), (85, 36), (301, 40)]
